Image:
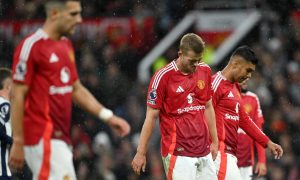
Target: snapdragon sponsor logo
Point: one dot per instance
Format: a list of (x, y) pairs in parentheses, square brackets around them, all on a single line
[(231, 117), (60, 90), (190, 108)]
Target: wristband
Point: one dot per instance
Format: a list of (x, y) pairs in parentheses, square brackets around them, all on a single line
[(105, 114)]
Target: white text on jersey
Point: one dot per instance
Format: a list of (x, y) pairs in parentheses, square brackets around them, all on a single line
[(60, 90), (231, 117), (191, 108)]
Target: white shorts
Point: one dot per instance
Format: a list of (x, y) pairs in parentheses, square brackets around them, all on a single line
[(227, 168), (52, 160), (182, 167), (246, 172)]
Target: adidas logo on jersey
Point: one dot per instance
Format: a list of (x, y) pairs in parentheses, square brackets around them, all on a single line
[(179, 89), (230, 94), (53, 58)]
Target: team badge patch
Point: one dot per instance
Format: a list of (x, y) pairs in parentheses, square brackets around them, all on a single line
[(201, 84), (152, 96)]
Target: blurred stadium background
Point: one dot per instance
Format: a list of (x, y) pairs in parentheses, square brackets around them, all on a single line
[(122, 42)]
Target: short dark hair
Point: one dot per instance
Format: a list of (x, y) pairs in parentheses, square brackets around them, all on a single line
[(247, 53), (192, 42), (4, 74), (49, 4)]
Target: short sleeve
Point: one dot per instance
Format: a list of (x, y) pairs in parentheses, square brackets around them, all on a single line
[(23, 63), (216, 93), (156, 91)]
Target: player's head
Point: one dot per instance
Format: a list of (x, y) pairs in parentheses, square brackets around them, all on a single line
[(5, 79), (243, 62), (190, 51), (64, 14)]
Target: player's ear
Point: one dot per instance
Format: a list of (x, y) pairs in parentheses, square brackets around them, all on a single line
[(236, 62), (179, 52), (54, 13)]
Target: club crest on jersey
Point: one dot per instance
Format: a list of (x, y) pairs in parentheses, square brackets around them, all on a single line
[(247, 108), (201, 84), (65, 75)]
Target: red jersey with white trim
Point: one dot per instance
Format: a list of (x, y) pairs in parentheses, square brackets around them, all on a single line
[(181, 100), (245, 148), (229, 116), (48, 68)]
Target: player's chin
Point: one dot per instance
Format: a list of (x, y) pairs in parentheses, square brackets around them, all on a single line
[(71, 31), (242, 79)]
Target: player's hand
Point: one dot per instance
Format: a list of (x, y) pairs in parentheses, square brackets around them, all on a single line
[(214, 149), (275, 149), (139, 163), (119, 125), (16, 157), (261, 169)]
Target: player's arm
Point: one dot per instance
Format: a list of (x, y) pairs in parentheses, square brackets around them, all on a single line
[(260, 150), (139, 160), (256, 134), (211, 122), (19, 92), (261, 168), (259, 121), (82, 97)]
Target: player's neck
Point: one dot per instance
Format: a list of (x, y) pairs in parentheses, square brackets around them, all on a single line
[(227, 73), (50, 30)]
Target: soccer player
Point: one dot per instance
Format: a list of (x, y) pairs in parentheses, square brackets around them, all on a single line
[(45, 83), (5, 127), (245, 147), (230, 115), (180, 96)]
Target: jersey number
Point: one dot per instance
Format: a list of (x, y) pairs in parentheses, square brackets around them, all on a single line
[(237, 108)]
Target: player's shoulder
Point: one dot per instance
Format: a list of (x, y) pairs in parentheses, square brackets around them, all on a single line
[(217, 81), (203, 65), (166, 70), (31, 40), (251, 94), (35, 36), (163, 74)]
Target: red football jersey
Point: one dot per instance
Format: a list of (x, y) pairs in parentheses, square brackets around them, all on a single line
[(229, 116), (181, 100), (245, 148), (48, 68)]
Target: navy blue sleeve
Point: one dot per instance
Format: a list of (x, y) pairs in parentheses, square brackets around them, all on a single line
[(4, 137), (4, 118)]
